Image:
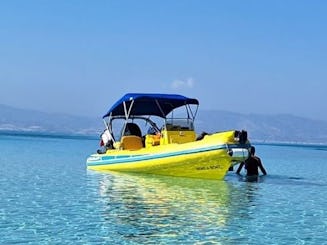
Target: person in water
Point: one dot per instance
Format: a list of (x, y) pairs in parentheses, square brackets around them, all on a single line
[(252, 165)]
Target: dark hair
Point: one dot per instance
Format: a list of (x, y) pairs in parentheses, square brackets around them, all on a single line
[(252, 150)]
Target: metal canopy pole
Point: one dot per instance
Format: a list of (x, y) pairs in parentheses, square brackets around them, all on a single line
[(107, 127)]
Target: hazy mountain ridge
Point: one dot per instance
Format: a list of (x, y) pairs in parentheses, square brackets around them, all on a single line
[(14, 119), (264, 128)]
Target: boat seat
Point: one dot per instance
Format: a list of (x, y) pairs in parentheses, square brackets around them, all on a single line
[(131, 142)]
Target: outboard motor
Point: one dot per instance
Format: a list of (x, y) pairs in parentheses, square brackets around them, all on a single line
[(241, 136)]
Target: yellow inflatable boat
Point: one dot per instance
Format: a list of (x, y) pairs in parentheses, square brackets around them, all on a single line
[(132, 141)]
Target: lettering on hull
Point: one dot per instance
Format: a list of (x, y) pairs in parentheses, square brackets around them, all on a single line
[(211, 167)]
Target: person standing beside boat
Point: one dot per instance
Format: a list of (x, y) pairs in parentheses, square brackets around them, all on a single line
[(252, 165)]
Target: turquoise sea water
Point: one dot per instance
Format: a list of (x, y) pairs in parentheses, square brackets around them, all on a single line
[(48, 197)]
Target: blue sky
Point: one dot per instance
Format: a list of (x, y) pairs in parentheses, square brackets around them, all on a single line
[(79, 57)]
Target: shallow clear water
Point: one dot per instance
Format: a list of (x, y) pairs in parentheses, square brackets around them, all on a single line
[(48, 197)]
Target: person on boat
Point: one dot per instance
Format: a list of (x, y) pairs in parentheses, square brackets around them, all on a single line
[(106, 142), (252, 165)]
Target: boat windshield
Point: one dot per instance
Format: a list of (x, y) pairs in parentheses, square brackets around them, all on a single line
[(176, 124), (138, 126), (181, 118)]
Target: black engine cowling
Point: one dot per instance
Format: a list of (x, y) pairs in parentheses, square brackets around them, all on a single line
[(242, 136)]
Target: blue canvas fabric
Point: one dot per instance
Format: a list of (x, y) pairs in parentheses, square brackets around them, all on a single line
[(147, 104)]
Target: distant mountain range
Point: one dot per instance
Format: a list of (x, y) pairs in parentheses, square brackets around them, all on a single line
[(261, 128), (14, 120), (266, 128)]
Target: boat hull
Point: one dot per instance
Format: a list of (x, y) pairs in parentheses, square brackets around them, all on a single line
[(200, 159)]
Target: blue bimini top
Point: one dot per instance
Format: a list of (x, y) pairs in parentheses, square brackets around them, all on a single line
[(149, 104)]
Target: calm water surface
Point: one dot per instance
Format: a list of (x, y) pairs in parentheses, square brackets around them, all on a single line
[(48, 197)]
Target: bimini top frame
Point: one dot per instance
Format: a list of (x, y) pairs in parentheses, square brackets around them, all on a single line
[(141, 104)]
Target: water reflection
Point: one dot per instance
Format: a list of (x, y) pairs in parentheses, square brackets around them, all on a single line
[(161, 191), (164, 207)]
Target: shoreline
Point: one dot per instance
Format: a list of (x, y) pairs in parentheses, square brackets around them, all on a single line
[(64, 135), (60, 135)]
